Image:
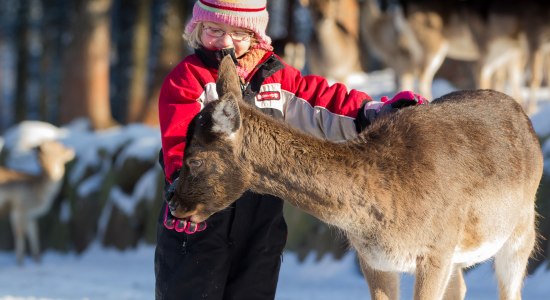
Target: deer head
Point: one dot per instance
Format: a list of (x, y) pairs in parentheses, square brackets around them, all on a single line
[(53, 156), (211, 163)]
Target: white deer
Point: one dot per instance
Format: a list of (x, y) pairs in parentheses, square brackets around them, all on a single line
[(428, 190), (29, 197)]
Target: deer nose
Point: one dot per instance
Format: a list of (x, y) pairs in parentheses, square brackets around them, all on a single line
[(173, 206), (177, 211)]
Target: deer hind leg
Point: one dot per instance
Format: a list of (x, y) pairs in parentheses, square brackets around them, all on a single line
[(456, 289), (511, 260), (34, 240), (18, 229), (382, 285), (432, 276)]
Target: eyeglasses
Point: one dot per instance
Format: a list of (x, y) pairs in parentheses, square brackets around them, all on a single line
[(235, 35)]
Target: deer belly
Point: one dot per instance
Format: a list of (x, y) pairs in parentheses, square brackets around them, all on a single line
[(390, 262), (405, 261), (479, 254)]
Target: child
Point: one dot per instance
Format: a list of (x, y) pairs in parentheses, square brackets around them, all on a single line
[(237, 254)]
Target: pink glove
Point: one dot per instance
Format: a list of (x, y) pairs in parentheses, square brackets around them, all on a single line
[(374, 109), (404, 99)]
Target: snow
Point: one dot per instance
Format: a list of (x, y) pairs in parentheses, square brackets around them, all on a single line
[(108, 274), (146, 187), (103, 273)]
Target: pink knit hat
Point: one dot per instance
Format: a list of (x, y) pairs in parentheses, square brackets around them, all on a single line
[(249, 14)]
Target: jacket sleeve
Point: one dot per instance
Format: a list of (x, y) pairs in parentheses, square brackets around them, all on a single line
[(314, 106), (177, 105)]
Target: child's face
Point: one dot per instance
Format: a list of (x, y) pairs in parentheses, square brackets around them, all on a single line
[(230, 38)]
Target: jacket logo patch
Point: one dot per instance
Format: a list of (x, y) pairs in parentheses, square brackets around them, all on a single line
[(270, 95)]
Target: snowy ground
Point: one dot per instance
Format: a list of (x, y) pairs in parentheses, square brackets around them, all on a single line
[(107, 274)]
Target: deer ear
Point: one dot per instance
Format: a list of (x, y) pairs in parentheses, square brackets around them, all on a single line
[(228, 79), (226, 118)]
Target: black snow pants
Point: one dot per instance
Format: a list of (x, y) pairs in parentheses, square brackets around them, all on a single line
[(238, 255)]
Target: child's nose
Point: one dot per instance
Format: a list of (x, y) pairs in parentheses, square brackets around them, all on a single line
[(226, 41)]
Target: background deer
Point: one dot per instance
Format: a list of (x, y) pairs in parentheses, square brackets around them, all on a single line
[(497, 37), (30, 196), (428, 190), (334, 49)]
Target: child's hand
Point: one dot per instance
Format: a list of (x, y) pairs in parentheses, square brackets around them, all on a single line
[(375, 109), (181, 225), (403, 99)]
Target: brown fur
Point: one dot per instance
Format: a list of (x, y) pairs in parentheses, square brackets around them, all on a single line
[(28, 197), (428, 190), (7, 175)]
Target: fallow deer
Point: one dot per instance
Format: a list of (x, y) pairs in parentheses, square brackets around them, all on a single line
[(29, 197), (429, 190)]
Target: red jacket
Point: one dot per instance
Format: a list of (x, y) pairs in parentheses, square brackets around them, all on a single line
[(305, 102)]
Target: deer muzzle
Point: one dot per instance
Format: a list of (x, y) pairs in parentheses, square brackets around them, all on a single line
[(177, 211)]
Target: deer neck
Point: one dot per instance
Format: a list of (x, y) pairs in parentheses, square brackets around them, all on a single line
[(49, 182), (52, 169), (311, 174)]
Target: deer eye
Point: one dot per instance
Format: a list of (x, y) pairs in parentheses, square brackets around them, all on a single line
[(194, 163)]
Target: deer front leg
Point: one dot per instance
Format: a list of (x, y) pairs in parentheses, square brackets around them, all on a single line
[(430, 67), (406, 81), (432, 275), (536, 66), (34, 239), (516, 69), (382, 285), (18, 229), (484, 70)]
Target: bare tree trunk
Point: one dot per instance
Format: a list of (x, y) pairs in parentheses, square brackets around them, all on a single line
[(36, 49), (140, 54), (22, 48), (52, 31), (8, 50), (85, 87), (172, 51)]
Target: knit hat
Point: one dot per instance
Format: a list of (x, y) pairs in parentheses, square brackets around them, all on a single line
[(248, 14)]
